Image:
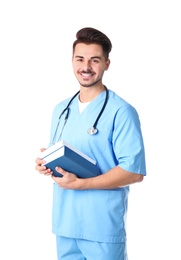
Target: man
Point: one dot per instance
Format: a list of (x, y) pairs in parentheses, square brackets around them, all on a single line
[(89, 214)]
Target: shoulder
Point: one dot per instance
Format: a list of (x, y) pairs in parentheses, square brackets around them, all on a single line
[(61, 105), (117, 103)]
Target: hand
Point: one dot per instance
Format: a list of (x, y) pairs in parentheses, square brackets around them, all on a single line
[(68, 180), (40, 167)]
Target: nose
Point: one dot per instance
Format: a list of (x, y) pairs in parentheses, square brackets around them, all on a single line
[(87, 65)]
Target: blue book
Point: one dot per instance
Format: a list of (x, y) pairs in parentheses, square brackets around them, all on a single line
[(70, 159)]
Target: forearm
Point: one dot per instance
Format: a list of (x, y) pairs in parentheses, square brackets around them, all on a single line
[(116, 177)]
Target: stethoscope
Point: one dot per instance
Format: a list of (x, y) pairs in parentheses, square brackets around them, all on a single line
[(92, 130)]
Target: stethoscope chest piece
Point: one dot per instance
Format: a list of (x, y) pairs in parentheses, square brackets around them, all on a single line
[(92, 131)]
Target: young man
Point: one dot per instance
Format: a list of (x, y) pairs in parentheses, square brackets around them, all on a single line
[(89, 214)]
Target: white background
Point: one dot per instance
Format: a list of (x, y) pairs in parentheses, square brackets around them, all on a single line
[(36, 73)]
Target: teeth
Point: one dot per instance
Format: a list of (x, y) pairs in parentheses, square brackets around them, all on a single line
[(86, 74)]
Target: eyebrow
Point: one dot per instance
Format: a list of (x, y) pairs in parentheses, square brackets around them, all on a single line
[(94, 57)]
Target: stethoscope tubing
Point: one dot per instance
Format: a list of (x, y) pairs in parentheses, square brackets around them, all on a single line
[(92, 130)]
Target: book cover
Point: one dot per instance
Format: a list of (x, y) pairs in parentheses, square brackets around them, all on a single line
[(70, 159)]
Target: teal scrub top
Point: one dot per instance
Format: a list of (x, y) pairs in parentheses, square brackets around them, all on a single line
[(98, 215)]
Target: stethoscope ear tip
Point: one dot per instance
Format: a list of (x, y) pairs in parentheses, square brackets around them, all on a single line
[(92, 131)]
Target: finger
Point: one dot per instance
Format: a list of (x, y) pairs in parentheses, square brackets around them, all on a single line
[(47, 172), (42, 149), (39, 167), (60, 170), (39, 161)]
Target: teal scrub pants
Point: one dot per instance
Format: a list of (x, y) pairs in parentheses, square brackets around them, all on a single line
[(80, 249)]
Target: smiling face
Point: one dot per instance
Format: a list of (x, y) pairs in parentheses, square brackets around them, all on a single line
[(89, 64)]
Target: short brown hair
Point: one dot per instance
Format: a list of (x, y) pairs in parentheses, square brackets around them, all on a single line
[(90, 35)]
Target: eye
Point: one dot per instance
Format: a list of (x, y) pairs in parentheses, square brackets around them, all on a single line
[(95, 61), (79, 60)]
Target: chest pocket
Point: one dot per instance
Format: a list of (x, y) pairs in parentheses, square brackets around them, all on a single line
[(98, 142)]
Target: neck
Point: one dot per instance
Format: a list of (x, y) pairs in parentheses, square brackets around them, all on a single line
[(89, 93)]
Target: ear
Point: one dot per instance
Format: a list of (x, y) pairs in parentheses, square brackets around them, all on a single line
[(107, 64)]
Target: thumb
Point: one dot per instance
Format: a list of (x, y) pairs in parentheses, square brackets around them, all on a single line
[(60, 170)]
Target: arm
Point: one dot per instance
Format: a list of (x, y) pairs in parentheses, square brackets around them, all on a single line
[(115, 178)]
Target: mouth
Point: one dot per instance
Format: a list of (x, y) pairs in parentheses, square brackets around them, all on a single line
[(86, 74)]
